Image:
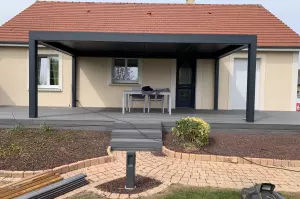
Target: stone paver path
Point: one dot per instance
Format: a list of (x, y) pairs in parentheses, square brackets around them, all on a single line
[(193, 173)]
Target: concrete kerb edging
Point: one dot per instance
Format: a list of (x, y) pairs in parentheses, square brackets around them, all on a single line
[(63, 169), (230, 159)]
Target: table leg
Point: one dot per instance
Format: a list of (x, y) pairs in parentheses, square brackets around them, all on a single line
[(170, 104), (123, 103), (127, 102)]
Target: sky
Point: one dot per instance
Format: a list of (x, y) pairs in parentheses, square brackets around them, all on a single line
[(286, 10)]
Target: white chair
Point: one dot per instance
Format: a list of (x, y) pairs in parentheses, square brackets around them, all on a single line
[(156, 98), (137, 98)]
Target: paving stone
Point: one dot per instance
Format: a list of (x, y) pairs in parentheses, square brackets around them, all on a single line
[(187, 172)]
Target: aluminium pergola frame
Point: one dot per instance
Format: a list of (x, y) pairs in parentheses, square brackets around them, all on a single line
[(48, 38)]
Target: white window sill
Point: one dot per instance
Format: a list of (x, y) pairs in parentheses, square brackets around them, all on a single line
[(126, 84), (49, 90)]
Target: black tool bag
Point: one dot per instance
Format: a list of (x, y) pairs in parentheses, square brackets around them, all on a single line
[(147, 88), (261, 191)]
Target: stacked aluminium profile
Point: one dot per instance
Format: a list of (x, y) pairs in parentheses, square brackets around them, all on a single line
[(57, 189)]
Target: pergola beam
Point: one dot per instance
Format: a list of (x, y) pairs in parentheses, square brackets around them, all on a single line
[(230, 50), (58, 47), (143, 38), (162, 55)]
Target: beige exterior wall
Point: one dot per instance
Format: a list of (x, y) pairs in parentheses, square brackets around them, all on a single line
[(14, 82), (96, 90), (278, 83), (278, 80), (205, 84)]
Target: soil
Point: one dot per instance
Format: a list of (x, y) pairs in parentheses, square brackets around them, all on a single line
[(275, 146), (118, 185), (36, 149)]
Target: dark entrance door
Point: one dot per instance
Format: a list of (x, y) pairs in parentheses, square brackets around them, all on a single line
[(185, 82)]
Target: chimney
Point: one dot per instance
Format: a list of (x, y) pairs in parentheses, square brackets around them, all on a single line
[(190, 1)]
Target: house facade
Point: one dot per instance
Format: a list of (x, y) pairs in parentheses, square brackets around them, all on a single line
[(101, 76)]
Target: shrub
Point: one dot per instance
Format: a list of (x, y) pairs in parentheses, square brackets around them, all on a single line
[(17, 128), (8, 151), (45, 128), (192, 130)]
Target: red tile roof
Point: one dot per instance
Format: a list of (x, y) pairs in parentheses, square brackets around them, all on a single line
[(150, 18)]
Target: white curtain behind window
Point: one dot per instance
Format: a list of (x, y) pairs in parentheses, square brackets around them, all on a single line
[(44, 71)]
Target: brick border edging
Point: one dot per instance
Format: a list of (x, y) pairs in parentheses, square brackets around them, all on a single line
[(230, 159), (63, 169)]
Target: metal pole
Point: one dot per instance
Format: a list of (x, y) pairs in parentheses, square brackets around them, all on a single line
[(33, 89), (216, 90), (130, 170), (250, 103)]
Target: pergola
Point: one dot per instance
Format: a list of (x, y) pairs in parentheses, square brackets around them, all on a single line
[(141, 45)]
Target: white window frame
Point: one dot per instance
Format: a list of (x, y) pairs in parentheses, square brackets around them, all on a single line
[(52, 87), (113, 81)]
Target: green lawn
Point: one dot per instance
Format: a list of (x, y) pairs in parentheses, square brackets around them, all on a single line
[(180, 192)]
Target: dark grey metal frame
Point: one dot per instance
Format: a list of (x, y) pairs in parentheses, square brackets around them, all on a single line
[(51, 39), (216, 85)]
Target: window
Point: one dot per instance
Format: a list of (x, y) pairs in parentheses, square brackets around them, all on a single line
[(48, 72), (125, 71)]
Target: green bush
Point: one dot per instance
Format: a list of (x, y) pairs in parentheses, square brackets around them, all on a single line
[(10, 150), (192, 130), (17, 128), (45, 128)]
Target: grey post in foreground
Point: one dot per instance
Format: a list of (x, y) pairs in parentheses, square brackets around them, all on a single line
[(130, 170)]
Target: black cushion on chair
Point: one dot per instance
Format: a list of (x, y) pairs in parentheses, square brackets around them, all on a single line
[(137, 96), (158, 97)]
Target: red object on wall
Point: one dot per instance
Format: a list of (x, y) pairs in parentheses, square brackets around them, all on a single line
[(298, 106)]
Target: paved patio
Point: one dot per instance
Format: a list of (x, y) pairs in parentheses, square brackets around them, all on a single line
[(102, 119), (193, 173)]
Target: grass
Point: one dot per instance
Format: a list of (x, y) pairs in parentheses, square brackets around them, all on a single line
[(182, 192), (86, 196)]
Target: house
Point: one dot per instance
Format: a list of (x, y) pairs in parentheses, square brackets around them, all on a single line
[(218, 57)]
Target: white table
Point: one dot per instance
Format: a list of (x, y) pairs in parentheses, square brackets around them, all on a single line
[(126, 94)]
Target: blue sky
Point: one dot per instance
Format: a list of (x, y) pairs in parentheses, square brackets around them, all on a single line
[(286, 10)]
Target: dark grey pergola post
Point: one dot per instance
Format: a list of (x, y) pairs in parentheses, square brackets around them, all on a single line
[(74, 81), (216, 86), (33, 86), (250, 102)]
